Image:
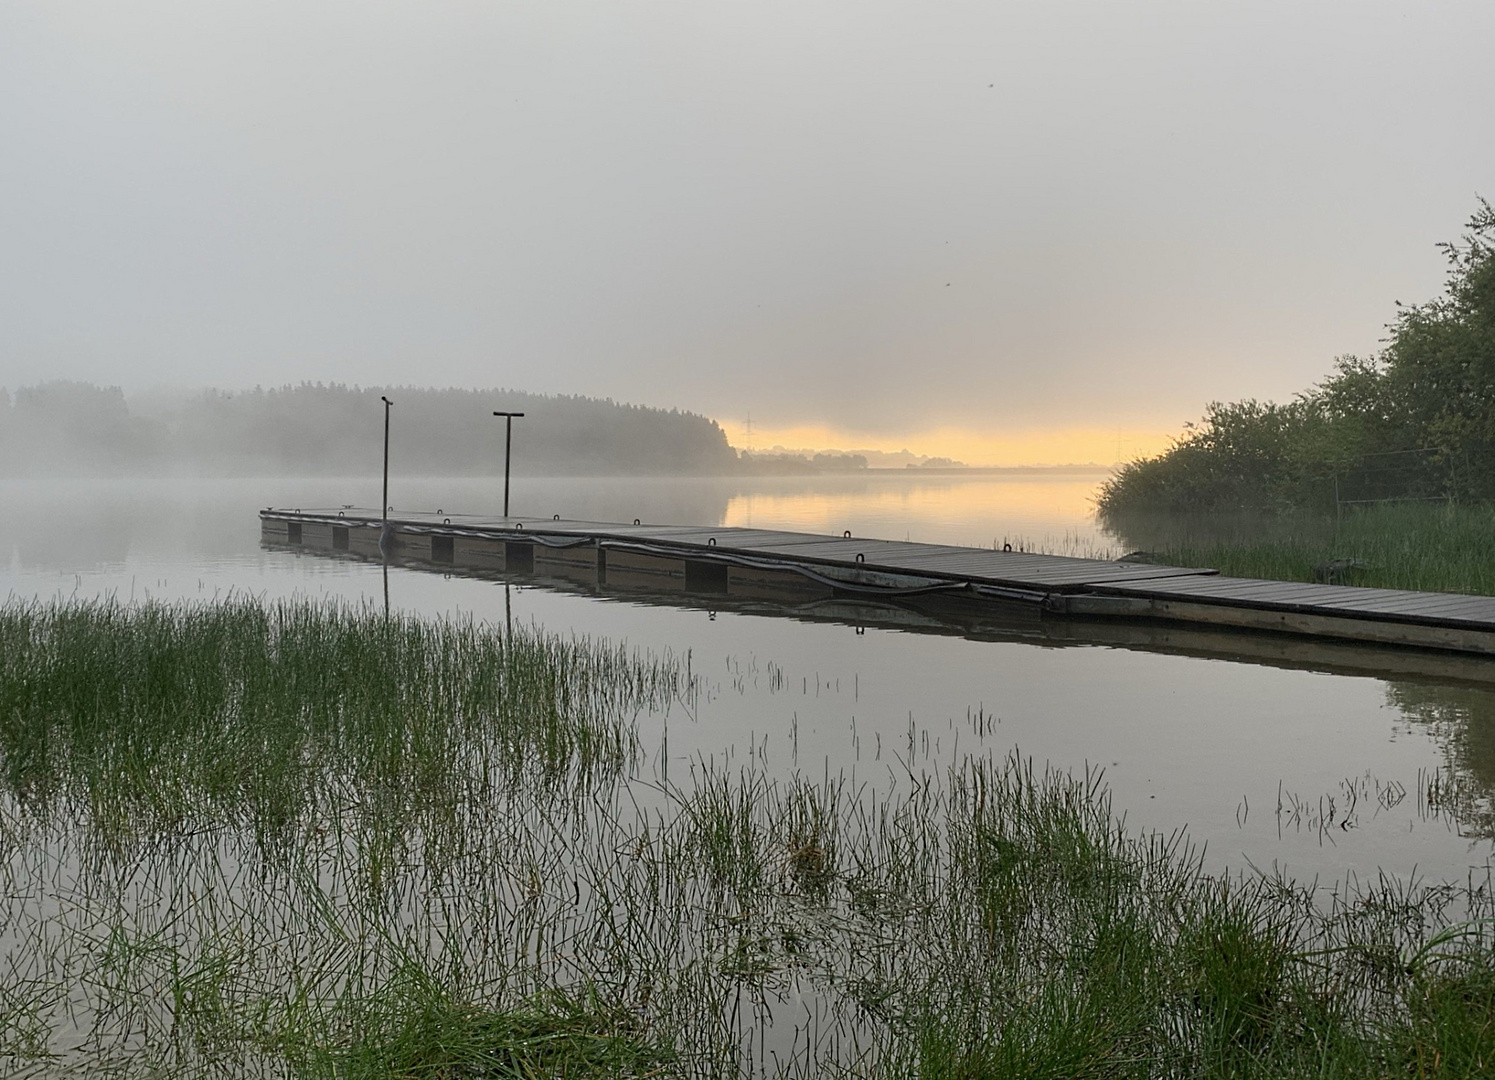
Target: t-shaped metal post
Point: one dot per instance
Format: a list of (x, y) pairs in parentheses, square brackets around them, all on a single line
[(508, 445)]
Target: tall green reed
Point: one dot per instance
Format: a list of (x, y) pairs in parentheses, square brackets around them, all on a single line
[(153, 716), (1423, 546)]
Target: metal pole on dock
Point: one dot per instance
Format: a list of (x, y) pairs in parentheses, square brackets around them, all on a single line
[(508, 445), (384, 503)]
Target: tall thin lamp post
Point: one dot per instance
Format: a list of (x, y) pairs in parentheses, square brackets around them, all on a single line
[(384, 505), (508, 445)]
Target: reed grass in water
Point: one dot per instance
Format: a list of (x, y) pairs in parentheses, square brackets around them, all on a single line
[(152, 717), (1433, 547), (557, 918)]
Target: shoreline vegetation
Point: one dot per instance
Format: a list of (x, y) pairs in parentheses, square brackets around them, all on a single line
[(1424, 547), (1414, 422), (1382, 475), (307, 840)]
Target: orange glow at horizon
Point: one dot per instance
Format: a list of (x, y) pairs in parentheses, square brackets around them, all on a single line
[(1071, 446)]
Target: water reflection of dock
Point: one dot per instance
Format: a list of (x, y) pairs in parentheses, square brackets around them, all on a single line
[(1058, 593)]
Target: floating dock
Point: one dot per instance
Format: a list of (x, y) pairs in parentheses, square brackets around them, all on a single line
[(748, 564)]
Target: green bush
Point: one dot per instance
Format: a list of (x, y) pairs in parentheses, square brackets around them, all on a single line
[(1417, 421)]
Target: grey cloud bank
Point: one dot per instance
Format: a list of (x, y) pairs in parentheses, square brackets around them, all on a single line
[(869, 216)]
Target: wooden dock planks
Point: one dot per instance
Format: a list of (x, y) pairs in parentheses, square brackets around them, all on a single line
[(1373, 603), (1089, 587)]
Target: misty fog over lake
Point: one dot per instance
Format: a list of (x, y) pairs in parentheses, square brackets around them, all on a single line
[(777, 540)]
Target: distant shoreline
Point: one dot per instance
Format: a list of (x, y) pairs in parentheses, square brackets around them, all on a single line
[(986, 470), (914, 473)]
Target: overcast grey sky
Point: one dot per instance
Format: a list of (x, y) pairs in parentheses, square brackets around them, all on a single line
[(867, 217)]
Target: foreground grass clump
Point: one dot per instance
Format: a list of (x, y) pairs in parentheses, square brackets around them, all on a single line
[(153, 716), (1062, 946), (413, 1029), (464, 899), (1433, 547)]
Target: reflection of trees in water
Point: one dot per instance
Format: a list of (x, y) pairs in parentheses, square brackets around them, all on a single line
[(1462, 718)]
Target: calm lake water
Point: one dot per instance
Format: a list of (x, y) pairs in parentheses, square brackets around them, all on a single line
[(1319, 773)]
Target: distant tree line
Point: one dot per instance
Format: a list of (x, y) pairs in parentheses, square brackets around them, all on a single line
[(787, 464), (1415, 421), (314, 429)]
